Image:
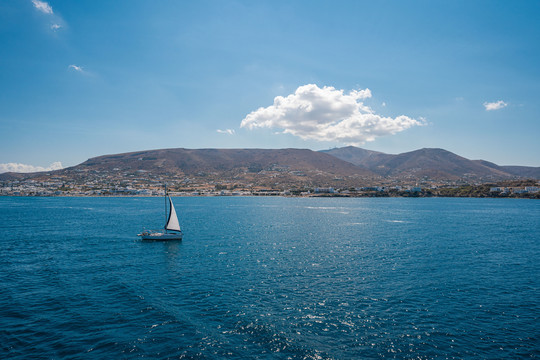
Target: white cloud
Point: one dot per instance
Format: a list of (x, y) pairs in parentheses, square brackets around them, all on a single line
[(82, 70), (226, 131), (327, 114), (42, 6), (497, 105), (76, 68), (24, 168), (55, 21)]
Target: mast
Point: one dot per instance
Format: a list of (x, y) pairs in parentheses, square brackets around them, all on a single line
[(166, 218)]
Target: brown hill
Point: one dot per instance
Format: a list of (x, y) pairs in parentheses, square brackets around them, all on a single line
[(523, 171), (282, 168), (354, 155), (436, 164), (11, 176), (529, 172), (265, 168), (195, 161)]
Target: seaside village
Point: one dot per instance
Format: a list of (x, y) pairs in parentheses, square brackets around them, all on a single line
[(144, 184)]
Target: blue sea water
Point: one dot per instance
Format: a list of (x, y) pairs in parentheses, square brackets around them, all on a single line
[(270, 278)]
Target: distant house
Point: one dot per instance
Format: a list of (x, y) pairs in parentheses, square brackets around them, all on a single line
[(519, 191), (329, 190), (371, 188)]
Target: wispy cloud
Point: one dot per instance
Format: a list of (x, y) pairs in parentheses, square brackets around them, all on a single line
[(55, 21), (226, 131), (25, 168), (82, 70), (76, 68), (327, 114), (497, 105), (42, 6)]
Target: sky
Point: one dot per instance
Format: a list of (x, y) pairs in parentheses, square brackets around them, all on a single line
[(80, 79)]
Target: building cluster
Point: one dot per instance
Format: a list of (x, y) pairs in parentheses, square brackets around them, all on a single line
[(515, 190), (32, 187), (116, 182)]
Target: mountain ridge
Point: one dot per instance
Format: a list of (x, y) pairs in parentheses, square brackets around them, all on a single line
[(434, 163), (191, 161), (264, 168), (290, 165)]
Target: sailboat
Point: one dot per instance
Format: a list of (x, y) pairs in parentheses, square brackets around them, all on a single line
[(172, 229)]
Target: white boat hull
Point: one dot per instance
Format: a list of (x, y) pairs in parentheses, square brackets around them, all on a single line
[(147, 235)]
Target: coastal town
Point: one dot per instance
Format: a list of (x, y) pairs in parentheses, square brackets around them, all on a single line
[(115, 183)]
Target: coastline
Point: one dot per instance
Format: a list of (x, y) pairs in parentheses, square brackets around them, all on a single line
[(531, 196)]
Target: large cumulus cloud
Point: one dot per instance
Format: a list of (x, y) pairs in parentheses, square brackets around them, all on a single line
[(327, 114)]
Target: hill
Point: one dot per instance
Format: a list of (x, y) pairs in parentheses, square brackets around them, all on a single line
[(263, 168), (529, 172), (434, 164), (279, 169), (354, 155), (196, 161)]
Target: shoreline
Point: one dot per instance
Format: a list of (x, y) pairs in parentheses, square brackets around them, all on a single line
[(533, 196)]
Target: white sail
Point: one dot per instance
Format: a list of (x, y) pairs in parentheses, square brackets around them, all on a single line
[(172, 223)]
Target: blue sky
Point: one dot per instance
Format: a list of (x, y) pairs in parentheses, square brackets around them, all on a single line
[(80, 79)]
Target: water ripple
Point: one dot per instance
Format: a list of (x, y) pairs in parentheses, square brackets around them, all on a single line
[(271, 278)]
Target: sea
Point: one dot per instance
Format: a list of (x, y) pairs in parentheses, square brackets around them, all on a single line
[(270, 278)]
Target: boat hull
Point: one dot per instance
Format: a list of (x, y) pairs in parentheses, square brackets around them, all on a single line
[(160, 236)]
